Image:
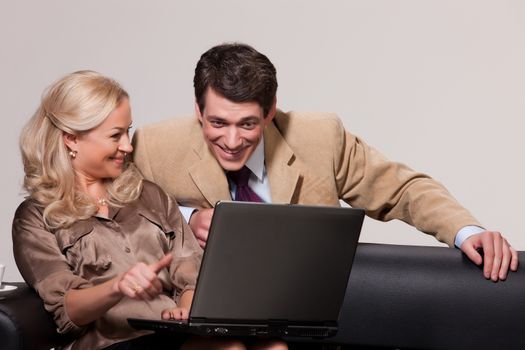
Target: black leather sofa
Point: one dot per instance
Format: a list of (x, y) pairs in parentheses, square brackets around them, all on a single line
[(399, 297)]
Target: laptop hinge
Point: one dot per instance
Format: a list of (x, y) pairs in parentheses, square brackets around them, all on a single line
[(277, 324)]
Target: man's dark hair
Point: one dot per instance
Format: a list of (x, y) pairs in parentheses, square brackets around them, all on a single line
[(239, 73)]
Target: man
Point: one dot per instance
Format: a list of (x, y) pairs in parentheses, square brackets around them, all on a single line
[(293, 158)]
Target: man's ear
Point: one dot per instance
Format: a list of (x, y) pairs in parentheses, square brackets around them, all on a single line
[(271, 113), (70, 140), (198, 112)]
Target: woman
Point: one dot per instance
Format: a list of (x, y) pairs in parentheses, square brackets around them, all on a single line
[(98, 243)]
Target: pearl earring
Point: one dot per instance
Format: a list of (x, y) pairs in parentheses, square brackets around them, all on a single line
[(73, 154)]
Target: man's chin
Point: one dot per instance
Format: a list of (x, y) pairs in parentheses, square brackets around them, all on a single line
[(231, 165)]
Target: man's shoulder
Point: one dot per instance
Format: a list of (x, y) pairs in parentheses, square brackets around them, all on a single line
[(306, 116), (306, 119), (168, 134), (320, 123), (169, 125)]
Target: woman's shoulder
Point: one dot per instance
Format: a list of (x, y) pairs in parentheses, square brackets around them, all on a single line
[(153, 193), (28, 214), (29, 208), (149, 187)]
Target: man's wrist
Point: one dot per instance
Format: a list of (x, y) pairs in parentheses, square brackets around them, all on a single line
[(187, 212), (465, 232)]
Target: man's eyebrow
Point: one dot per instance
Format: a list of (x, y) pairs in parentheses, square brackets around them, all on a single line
[(243, 119), (211, 116), (250, 117)]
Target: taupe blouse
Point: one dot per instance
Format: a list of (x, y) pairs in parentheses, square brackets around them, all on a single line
[(95, 250)]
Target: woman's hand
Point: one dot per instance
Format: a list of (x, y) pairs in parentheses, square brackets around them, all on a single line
[(178, 313), (141, 281), (182, 311)]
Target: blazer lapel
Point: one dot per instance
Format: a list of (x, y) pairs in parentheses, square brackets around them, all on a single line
[(282, 167), (207, 173)]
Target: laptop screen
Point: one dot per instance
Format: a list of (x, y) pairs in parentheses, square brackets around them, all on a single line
[(276, 262)]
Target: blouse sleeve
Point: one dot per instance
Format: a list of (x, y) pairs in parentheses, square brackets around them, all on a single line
[(42, 264), (187, 254)]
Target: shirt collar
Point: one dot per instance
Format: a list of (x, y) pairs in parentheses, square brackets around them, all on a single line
[(256, 162)]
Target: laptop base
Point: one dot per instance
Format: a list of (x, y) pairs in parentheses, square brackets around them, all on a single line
[(234, 329)]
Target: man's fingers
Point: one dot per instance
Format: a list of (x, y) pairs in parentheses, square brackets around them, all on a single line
[(162, 263), (514, 261), (470, 251), (497, 242), (200, 224), (201, 235), (498, 255), (505, 261), (488, 255)]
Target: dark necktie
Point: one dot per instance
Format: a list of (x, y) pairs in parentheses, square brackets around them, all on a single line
[(243, 192)]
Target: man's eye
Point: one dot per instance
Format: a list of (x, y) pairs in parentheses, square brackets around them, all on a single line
[(216, 123), (248, 125)]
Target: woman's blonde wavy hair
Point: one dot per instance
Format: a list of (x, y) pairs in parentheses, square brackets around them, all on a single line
[(74, 104)]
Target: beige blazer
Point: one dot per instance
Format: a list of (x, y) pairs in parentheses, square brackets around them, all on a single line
[(310, 159)]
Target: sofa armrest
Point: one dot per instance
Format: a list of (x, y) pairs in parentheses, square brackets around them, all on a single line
[(429, 298), (25, 324)]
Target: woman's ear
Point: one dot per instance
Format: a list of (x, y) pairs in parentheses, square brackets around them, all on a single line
[(70, 140)]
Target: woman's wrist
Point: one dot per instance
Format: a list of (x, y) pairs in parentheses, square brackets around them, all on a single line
[(115, 287)]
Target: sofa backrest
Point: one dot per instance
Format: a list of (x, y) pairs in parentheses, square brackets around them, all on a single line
[(397, 297), (430, 298)]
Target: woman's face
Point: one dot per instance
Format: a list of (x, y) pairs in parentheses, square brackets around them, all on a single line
[(100, 152)]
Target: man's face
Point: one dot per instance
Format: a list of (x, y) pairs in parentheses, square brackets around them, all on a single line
[(232, 130)]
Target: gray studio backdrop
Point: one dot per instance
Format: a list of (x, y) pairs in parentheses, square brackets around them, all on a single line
[(439, 85)]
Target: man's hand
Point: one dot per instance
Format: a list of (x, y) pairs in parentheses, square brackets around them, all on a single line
[(200, 225), (498, 255)]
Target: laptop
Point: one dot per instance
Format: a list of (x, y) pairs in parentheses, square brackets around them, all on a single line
[(271, 270)]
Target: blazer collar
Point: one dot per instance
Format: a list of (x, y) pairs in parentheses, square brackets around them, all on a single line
[(282, 167), (206, 172)]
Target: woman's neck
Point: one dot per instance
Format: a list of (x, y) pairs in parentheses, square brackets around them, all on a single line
[(96, 190)]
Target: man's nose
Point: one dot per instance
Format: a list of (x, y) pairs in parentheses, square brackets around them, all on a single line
[(232, 138)]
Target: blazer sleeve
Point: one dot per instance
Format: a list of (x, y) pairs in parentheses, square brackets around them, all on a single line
[(389, 190)]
